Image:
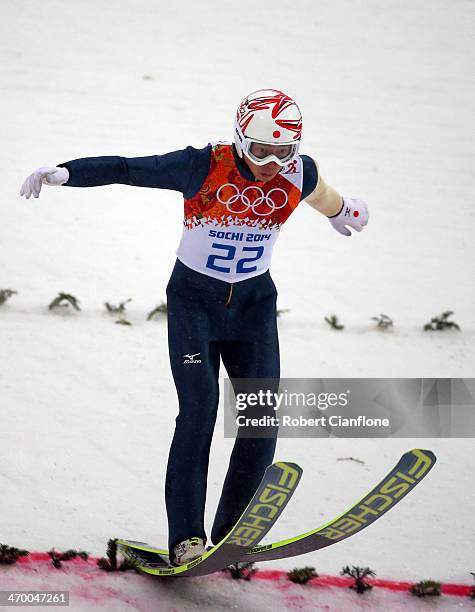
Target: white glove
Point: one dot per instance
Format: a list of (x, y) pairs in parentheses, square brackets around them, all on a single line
[(354, 213), (47, 175)]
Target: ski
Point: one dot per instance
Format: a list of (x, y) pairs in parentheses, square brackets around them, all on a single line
[(274, 492), (401, 480)]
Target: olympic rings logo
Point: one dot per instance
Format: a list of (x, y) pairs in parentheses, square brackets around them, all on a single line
[(246, 199)]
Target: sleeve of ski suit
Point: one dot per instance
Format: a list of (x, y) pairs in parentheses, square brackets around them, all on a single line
[(323, 197), (183, 170), (310, 176)]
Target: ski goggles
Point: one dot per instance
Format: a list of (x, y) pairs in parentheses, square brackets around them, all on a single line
[(262, 153)]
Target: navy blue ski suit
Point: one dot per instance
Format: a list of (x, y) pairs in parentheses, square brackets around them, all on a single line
[(234, 322)]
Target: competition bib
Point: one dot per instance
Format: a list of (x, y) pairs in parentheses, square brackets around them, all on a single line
[(230, 226)]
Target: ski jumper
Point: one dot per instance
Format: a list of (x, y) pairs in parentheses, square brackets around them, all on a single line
[(221, 304)]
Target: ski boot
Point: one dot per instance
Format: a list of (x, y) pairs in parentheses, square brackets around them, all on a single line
[(188, 550)]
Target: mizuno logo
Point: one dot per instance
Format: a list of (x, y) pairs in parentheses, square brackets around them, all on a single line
[(191, 358)]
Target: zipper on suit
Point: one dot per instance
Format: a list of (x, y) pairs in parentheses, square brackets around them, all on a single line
[(230, 294)]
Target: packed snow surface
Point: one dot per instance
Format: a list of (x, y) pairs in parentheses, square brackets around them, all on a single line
[(88, 406)]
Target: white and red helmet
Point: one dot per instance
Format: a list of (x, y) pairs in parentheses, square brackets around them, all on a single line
[(268, 117)]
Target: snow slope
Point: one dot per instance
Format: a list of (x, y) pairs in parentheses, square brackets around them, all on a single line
[(90, 588), (87, 406)]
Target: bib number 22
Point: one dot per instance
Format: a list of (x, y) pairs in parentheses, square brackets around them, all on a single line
[(229, 254)]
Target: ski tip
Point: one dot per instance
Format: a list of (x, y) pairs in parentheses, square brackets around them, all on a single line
[(427, 452), (288, 465)]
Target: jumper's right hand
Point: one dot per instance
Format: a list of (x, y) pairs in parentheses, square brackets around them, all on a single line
[(47, 175)]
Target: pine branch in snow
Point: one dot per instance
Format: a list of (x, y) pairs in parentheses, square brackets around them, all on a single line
[(6, 294), (158, 310), (10, 555), (384, 322), (63, 300), (241, 570), (57, 558), (358, 574), (302, 575), (333, 322), (426, 588), (110, 564), (441, 322), (119, 308)]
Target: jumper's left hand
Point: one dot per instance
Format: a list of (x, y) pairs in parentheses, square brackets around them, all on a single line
[(354, 213)]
